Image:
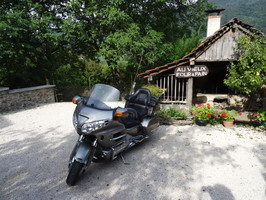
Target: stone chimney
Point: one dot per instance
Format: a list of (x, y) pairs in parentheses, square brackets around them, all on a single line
[(214, 21)]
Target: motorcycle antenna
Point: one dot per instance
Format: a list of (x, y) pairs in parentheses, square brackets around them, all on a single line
[(134, 81)]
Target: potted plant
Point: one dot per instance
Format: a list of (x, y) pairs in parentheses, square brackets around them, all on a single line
[(227, 117), (202, 114), (261, 116)]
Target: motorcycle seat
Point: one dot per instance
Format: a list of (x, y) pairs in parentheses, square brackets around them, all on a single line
[(142, 96), (142, 102)]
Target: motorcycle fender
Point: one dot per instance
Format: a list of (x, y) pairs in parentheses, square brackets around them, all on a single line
[(82, 152)]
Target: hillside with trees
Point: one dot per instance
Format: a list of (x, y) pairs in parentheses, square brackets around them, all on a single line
[(252, 12)]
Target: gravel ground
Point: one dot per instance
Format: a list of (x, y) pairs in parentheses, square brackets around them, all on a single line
[(176, 163)]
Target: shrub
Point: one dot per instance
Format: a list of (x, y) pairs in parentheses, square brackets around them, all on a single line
[(248, 75), (155, 90), (261, 115), (171, 112), (214, 121)]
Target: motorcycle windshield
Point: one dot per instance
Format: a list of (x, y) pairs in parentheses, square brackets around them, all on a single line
[(102, 93)]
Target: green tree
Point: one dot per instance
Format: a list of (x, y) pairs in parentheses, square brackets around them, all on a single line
[(248, 75), (186, 44), (42, 40), (130, 36), (126, 52), (30, 41)]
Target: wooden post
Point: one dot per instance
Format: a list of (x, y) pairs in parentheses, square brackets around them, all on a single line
[(189, 91)]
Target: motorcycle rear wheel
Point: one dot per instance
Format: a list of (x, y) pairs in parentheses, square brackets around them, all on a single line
[(74, 172)]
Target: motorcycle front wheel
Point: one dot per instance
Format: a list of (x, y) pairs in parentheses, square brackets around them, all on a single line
[(74, 172)]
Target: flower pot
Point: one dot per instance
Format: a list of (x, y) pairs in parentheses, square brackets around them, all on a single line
[(228, 123), (201, 122)]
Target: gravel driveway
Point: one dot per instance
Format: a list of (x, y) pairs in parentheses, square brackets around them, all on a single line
[(176, 163)]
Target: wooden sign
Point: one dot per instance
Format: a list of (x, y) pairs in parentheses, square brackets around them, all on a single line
[(189, 71)]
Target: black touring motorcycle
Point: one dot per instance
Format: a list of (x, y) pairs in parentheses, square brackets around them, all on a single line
[(105, 132)]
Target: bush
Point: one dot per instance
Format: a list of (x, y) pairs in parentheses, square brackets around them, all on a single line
[(155, 90), (261, 115), (248, 75), (171, 112), (214, 121)]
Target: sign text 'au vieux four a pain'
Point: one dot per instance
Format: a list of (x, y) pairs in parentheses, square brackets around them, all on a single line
[(188, 71)]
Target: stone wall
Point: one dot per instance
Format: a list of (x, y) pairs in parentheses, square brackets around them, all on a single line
[(25, 97)]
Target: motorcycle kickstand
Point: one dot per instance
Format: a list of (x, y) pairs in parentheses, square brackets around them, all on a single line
[(123, 159)]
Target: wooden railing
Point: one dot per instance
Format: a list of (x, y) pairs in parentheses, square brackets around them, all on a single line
[(174, 89)]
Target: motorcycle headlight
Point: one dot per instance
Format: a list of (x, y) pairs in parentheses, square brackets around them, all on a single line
[(89, 127)]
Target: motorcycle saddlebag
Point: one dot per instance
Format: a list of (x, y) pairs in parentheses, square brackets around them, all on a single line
[(149, 125)]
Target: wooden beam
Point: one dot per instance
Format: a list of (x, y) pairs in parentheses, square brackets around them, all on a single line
[(189, 91)]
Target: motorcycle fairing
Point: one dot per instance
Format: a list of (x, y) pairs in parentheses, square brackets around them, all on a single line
[(92, 114)]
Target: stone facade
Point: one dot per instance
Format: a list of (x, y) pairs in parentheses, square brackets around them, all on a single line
[(25, 97)]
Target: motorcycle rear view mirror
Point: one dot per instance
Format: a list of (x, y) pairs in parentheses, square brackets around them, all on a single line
[(76, 100), (121, 112)]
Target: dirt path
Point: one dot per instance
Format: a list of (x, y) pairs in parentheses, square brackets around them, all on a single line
[(185, 162)]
